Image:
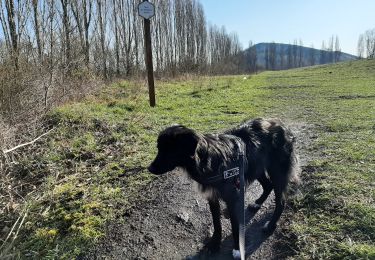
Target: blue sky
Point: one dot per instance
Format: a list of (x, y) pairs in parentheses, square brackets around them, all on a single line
[(282, 21)]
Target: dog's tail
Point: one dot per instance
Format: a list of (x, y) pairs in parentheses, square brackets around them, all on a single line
[(295, 170), (283, 140)]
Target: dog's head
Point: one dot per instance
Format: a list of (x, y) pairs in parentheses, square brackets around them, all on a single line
[(176, 146)]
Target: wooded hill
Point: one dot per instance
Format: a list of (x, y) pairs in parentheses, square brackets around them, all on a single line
[(278, 56)]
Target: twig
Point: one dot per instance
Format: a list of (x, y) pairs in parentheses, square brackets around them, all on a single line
[(19, 226), (10, 233), (25, 144), (16, 234)]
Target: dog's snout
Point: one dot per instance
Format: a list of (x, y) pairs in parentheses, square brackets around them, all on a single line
[(154, 168)]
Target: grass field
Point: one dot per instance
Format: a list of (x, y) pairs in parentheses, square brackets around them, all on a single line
[(335, 219), (93, 163)]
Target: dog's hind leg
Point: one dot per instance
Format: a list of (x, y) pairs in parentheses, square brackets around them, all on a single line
[(215, 241), (278, 173), (270, 226), (267, 188)]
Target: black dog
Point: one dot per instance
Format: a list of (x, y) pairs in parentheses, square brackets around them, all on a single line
[(269, 158)]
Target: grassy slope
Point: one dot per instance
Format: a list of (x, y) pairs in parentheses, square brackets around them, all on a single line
[(336, 216), (94, 161)]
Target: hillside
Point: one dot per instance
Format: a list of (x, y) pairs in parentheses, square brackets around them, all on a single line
[(88, 192), (306, 59)]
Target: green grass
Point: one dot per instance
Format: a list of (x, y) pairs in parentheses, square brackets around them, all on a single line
[(96, 157), (335, 218), (94, 162)]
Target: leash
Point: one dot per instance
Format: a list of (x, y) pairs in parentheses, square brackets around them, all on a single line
[(241, 220)]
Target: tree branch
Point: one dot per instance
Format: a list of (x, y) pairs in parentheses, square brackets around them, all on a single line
[(25, 144)]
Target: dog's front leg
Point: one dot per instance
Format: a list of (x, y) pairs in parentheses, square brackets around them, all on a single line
[(214, 244), (233, 209)]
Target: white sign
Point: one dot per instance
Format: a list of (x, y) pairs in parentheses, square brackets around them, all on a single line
[(146, 10)]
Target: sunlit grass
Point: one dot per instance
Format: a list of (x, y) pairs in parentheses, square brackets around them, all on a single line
[(98, 154)]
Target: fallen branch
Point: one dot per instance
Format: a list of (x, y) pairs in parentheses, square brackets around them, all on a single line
[(10, 233), (2, 254), (25, 144)]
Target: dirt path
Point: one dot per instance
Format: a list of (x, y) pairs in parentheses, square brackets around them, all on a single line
[(172, 221)]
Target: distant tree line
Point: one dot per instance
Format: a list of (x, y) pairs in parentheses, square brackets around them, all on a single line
[(366, 45), (184, 43), (330, 53), (107, 36)]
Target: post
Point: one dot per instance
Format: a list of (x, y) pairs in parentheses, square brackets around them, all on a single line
[(148, 59), (147, 10)]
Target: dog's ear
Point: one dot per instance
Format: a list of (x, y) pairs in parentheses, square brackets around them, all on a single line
[(188, 141)]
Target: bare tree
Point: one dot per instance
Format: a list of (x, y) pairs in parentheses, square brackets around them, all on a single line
[(252, 58), (300, 53), (267, 57), (361, 46), (51, 20), (37, 29), (67, 31), (330, 49), (281, 56), (82, 13), (312, 55), (370, 43), (289, 56), (295, 54), (323, 54), (126, 34), (115, 28), (13, 18), (272, 55), (201, 38), (102, 11), (337, 49)]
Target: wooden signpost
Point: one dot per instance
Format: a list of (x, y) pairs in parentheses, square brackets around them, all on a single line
[(147, 10)]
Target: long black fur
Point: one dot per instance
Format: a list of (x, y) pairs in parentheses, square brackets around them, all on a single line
[(269, 158)]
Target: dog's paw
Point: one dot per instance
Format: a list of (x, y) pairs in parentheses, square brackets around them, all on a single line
[(236, 254), (268, 228), (213, 245), (254, 207), (226, 213)]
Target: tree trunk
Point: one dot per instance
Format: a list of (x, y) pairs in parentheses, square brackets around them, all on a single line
[(102, 36), (66, 25), (13, 31), (36, 28)]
